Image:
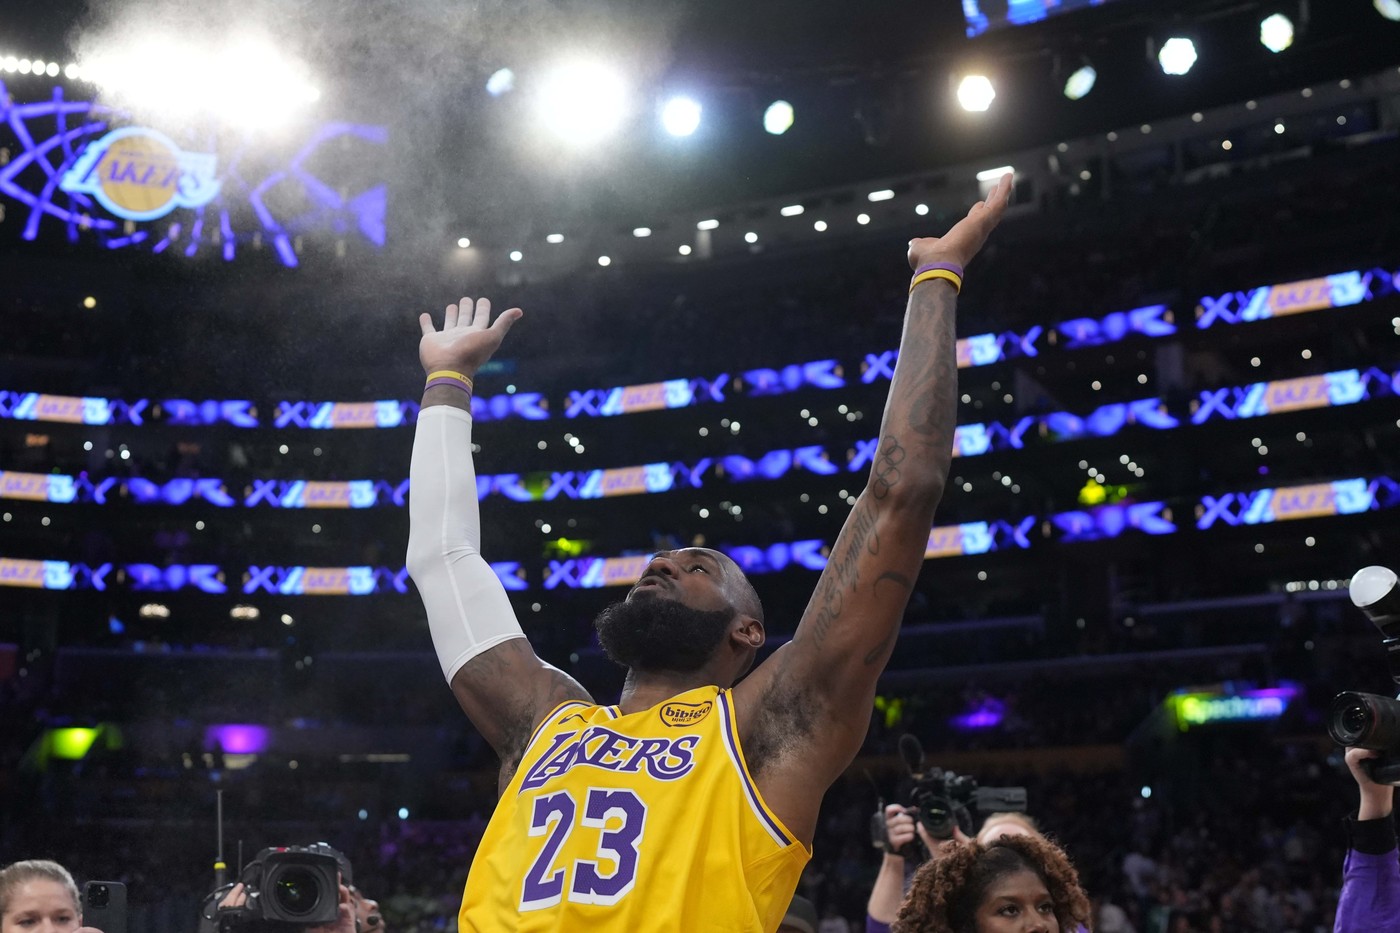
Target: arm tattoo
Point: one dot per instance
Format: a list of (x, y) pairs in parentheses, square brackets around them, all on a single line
[(842, 575), (885, 474), (933, 407)]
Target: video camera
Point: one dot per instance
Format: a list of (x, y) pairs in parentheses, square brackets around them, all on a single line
[(943, 800), (1367, 720), (287, 888)]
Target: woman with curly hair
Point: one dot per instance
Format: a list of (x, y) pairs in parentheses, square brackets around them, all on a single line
[(1014, 884)]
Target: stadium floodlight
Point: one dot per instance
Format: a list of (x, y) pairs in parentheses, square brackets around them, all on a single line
[(681, 116), (777, 119), (975, 93), (502, 81), (1390, 9), (1177, 55), (246, 80), (1081, 82), (1276, 32), (583, 102)]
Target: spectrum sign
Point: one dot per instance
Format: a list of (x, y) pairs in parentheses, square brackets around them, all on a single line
[(1193, 710)]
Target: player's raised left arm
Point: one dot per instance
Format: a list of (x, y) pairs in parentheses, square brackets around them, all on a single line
[(848, 630)]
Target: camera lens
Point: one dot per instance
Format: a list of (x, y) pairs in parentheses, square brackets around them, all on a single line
[(297, 891), (99, 896), (1365, 720), (1356, 719)]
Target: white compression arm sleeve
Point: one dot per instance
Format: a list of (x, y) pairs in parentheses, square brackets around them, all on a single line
[(468, 611)]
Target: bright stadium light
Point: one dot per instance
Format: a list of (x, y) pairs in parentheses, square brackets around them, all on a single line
[(777, 119), (583, 102), (681, 116), (975, 93), (1276, 32), (1177, 55), (1390, 9), (245, 81), (1081, 82), (502, 81)]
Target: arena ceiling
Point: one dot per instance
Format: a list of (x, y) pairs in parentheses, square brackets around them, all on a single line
[(871, 83)]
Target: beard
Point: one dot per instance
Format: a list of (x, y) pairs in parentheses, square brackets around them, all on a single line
[(650, 633)]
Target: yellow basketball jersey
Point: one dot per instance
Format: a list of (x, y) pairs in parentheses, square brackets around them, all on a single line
[(643, 822)]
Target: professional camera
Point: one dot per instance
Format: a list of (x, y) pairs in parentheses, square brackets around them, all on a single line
[(1366, 720), (944, 800), (287, 888)]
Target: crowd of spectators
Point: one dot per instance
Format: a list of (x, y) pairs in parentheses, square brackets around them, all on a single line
[(1234, 830)]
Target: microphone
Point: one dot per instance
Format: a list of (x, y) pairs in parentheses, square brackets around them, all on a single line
[(913, 754)]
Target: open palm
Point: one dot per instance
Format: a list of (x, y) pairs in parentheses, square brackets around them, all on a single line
[(468, 337)]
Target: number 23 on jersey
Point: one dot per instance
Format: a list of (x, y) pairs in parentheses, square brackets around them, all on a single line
[(619, 817)]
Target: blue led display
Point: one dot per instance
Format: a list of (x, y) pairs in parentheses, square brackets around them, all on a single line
[(73, 166)]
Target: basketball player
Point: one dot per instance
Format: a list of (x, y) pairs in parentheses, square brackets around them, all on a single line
[(691, 804)]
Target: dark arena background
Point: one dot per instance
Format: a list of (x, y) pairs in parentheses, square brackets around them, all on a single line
[(1179, 431)]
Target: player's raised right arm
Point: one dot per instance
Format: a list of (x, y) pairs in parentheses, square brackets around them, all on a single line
[(500, 683)]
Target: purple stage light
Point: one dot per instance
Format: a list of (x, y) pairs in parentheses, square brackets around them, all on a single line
[(238, 739)]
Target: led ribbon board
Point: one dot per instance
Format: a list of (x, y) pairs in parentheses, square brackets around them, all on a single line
[(1341, 290), (1342, 497), (83, 168), (1151, 321), (1255, 400)]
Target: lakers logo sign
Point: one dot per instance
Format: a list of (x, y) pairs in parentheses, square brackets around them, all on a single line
[(140, 174), (684, 714)]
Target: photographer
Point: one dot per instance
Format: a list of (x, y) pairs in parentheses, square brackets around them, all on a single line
[(1370, 901), (901, 829), (288, 886)]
